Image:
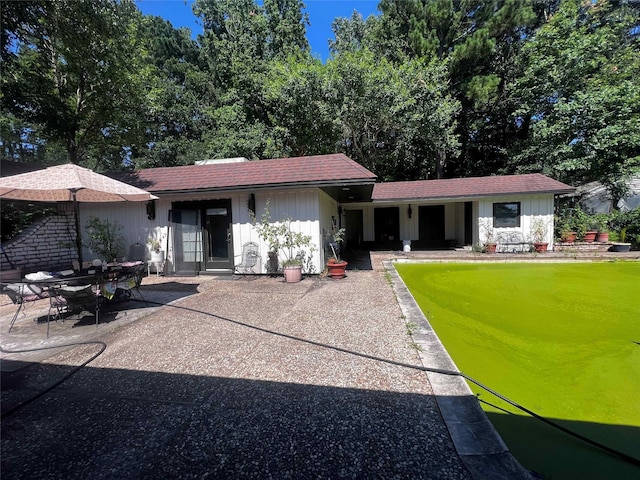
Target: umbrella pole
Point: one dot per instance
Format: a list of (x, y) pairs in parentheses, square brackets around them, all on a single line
[(76, 214)]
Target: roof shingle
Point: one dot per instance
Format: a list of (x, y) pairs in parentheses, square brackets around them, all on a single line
[(316, 170), (468, 187)]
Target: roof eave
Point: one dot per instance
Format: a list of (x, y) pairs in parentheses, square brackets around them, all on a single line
[(285, 185), (469, 197)]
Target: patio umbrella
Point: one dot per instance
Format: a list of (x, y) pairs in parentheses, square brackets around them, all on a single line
[(70, 183)]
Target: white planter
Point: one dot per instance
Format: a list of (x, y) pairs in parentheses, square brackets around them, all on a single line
[(157, 257)]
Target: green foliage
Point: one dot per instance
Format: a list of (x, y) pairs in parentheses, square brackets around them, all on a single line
[(293, 247), (577, 220), (73, 75), (297, 99), (16, 216), (105, 238), (629, 222), (426, 89), (581, 91), (336, 243)]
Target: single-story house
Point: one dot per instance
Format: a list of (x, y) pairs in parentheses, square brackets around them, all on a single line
[(202, 216), (595, 198)]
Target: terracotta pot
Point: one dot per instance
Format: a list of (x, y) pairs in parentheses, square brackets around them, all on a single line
[(490, 247), (540, 247), (337, 270), (590, 237), (292, 274), (568, 237), (602, 237)]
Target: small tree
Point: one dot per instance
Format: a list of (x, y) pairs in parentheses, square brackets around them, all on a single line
[(538, 229), (295, 248), (105, 238)]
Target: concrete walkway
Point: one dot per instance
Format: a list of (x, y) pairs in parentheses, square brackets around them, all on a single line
[(245, 377)]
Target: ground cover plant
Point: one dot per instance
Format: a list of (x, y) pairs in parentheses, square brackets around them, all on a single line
[(561, 339)]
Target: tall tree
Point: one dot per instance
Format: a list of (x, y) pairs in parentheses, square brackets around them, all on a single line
[(73, 74), (240, 39), (393, 118), (475, 38), (286, 27), (301, 116), (177, 95), (354, 33), (581, 92)]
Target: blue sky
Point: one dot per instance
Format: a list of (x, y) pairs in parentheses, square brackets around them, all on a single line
[(321, 15)]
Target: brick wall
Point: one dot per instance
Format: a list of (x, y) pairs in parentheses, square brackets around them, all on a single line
[(47, 245)]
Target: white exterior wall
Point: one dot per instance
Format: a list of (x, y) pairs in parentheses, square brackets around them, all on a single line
[(329, 223), (301, 205), (132, 216), (410, 227), (531, 206)]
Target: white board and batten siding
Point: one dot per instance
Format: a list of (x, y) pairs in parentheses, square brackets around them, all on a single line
[(531, 206), (302, 205)]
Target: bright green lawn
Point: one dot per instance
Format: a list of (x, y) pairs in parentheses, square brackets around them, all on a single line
[(561, 339)]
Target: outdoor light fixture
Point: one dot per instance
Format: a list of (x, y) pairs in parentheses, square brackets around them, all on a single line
[(151, 210), (409, 211)]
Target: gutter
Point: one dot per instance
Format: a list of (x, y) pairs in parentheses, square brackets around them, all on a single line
[(467, 197), (255, 187)]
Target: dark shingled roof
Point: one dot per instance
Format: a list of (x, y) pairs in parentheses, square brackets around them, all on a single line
[(468, 187), (318, 170)]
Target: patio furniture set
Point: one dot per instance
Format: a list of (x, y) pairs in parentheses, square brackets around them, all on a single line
[(76, 288)]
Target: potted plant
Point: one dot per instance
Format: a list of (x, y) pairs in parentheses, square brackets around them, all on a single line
[(335, 265), (105, 238), (539, 233), (295, 248), (581, 223), (486, 226), (592, 230), (564, 230), (157, 255), (603, 229)]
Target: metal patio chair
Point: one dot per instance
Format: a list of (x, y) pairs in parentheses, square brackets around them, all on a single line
[(64, 298), (21, 294), (250, 261)]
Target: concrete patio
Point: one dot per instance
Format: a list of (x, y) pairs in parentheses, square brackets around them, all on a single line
[(244, 377)]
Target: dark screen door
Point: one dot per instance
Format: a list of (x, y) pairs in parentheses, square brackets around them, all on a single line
[(431, 226), (387, 226), (217, 225)]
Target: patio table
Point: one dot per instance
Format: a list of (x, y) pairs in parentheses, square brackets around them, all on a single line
[(33, 287)]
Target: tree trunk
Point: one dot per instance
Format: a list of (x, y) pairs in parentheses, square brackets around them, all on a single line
[(441, 160)]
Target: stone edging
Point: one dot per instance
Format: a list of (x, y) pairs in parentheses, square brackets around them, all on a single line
[(475, 438)]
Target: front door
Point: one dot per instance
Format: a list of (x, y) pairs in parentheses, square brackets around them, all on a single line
[(387, 227), (217, 226), (187, 240), (202, 237), (431, 226)]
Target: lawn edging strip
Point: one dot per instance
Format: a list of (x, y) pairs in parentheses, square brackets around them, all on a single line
[(475, 438)]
